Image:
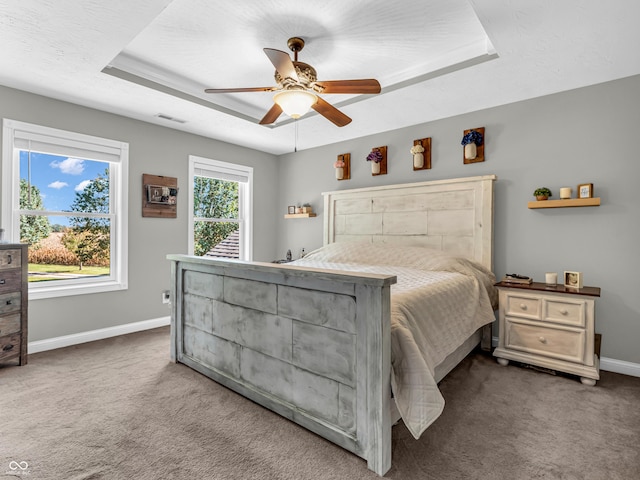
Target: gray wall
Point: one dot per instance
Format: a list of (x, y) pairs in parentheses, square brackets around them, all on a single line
[(587, 135), (154, 150)]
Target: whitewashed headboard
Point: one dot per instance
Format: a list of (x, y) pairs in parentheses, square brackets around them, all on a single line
[(454, 215)]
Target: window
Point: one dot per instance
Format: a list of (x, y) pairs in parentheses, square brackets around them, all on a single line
[(220, 206), (65, 194)]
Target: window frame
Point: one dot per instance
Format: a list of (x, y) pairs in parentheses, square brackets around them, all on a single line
[(226, 171), (118, 200)]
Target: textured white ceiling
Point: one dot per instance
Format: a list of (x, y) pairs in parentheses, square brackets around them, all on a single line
[(433, 58)]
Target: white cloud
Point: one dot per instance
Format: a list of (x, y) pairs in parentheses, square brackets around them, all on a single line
[(58, 185), (82, 185), (71, 166)]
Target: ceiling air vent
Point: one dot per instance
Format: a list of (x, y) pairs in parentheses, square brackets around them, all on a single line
[(171, 119)]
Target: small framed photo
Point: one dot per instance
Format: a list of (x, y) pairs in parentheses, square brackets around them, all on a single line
[(585, 190), (573, 279), (291, 209)]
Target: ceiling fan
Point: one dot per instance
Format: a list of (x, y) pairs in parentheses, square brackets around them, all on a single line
[(298, 88)]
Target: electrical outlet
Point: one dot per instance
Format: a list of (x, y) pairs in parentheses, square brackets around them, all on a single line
[(166, 296)]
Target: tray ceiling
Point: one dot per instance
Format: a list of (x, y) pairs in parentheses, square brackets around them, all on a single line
[(433, 58)]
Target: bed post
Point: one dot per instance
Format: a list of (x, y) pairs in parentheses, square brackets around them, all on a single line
[(374, 345)]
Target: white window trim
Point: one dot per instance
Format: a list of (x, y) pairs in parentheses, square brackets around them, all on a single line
[(118, 190), (245, 207)]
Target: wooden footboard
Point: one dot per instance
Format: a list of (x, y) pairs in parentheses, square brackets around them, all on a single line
[(312, 345)]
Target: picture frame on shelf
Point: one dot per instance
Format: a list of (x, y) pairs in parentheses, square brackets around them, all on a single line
[(291, 209), (573, 279), (585, 190)]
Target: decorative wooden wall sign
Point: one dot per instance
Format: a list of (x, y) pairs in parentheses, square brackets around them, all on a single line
[(159, 196), (345, 158), (383, 163), (426, 144), (479, 148)]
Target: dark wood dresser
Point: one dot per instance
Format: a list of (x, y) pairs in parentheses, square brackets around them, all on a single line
[(14, 294)]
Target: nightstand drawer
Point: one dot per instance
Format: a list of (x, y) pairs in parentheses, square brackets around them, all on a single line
[(563, 311), (10, 302), (522, 306), (9, 324), (9, 346), (11, 258), (555, 342)]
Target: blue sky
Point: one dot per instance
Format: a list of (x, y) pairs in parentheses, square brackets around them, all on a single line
[(59, 178)]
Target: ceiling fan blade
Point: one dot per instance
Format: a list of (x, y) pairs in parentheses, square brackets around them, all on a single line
[(331, 113), (232, 90), (283, 63), (350, 86), (272, 115)]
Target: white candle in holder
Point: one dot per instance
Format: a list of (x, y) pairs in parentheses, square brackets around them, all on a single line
[(551, 278), (565, 192)]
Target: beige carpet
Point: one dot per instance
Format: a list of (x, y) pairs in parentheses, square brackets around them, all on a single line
[(118, 409)]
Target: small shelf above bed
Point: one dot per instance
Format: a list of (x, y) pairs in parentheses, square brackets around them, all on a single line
[(571, 202)]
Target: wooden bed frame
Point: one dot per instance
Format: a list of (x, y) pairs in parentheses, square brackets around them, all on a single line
[(264, 330)]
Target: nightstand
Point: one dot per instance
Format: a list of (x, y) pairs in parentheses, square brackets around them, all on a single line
[(549, 326)]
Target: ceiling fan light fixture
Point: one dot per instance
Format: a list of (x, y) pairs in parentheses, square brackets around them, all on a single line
[(295, 103)]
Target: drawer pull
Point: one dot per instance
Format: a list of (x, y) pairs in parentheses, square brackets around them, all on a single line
[(10, 259), (564, 311), (523, 306), (2, 281), (543, 340), (6, 348), (9, 302)]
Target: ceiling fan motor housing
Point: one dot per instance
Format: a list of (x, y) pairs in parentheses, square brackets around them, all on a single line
[(307, 75)]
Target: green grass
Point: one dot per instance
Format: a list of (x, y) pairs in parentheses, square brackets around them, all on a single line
[(42, 270)]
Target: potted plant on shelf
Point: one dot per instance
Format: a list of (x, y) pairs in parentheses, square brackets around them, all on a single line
[(418, 156), (470, 141), (339, 166), (375, 157), (542, 193)]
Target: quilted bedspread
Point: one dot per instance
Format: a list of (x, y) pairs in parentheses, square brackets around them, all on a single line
[(438, 302)]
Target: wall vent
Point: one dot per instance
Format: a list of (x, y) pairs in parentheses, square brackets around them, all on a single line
[(171, 119)]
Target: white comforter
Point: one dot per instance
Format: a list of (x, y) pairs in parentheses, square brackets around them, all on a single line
[(438, 302)]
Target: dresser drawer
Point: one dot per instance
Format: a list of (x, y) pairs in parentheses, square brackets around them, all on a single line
[(9, 346), (522, 305), (10, 302), (10, 324), (10, 280), (556, 342), (563, 311), (11, 258)]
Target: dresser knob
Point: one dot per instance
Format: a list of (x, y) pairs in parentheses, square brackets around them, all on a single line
[(564, 311), (6, 348), (523, 306), (2, 280), (542, 340)]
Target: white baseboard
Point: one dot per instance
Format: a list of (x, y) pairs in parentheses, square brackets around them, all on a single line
[(620, 366), (83, 337), (606, 364)]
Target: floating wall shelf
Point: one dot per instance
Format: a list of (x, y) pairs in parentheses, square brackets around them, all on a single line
[(299, 215), (571, 202)]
